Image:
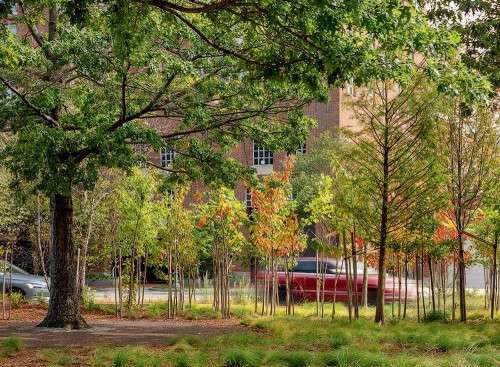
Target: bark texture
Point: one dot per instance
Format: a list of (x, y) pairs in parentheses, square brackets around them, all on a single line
[(64, 304)]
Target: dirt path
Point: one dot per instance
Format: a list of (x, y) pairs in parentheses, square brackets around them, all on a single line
[(107, 331), (118, 333)]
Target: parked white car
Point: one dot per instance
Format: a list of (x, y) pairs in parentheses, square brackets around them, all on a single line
[(30, 286)]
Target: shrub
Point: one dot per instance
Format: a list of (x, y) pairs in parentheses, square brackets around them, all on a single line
[(182, 346), (120, 359), (348, 356), (435, 316), (10, 345), (17, 299), (88, 299), (239, 358), (339, 339), (182, 361), (443, 343), (291, 359), (41, 300)]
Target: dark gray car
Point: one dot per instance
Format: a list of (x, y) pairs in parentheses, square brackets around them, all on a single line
[(31, 286)]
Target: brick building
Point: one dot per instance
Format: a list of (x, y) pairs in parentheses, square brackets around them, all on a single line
[(330, 116)]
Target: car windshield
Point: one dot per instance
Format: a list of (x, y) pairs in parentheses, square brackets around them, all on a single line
[(15, 269), (331, 267)]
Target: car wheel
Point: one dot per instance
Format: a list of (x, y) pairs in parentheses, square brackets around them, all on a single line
[(17, 290), (372, 297), (282, 295)]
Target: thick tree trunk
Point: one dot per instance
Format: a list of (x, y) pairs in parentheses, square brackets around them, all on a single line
[(64, 304)]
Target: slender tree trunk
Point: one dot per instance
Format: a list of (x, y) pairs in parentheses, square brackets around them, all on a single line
[(379, 311), (144, 278), (323, 284), (83, 253), (256, 285), (494, 276), (355, 272), (365, 276), (399, 284), (10, 278), (431, 275), (138, 279), (131, 283), (406, 284), (317, 283), (115, 282), (170, 311), (4, 282), (445, 287), (64, 302), (461, 277), (393, 288), (453, 301), (265, 288), (348, 275), (417, 276), (422, 260), (273, 285), (486, 277), (337, 275), (39, 240), (120, 282)]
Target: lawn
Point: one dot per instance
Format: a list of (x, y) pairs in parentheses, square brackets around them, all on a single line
[(300, 340)]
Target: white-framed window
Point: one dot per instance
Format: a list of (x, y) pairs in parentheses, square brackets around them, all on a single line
[(13, 9), (248, 199), (301, 149), (261, 155), (12, 28), (167, 156)]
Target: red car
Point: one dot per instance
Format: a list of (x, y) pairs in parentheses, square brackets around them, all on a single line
[(305, 274)]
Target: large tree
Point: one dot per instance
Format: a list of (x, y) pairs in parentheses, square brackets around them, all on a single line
[(90, 77), (393, 159)]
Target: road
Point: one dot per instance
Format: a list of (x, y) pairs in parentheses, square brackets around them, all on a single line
[(156, 293)]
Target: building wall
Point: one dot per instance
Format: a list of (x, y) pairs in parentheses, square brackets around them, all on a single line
[(329, 117)]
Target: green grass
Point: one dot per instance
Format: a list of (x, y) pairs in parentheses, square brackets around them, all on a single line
[(10, 345), (241, 358), (57, 357), (308, 341), (305, 340)]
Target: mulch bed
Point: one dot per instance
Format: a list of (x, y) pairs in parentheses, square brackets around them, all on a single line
[(106, 330)]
